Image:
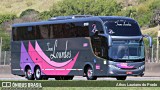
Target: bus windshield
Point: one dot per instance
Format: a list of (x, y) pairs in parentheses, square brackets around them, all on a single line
[(126, 50), (122, 28)]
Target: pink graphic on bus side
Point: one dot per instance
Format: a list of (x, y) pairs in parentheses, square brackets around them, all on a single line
[(35, 58), (48, 60)]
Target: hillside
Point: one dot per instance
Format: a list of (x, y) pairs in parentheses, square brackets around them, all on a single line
[(140, 10), (17, 6), (151, 31)]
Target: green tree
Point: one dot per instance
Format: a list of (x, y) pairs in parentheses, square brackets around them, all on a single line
[(83, 7), (7, 17), (45, 15), (29, 12), (6, 40)]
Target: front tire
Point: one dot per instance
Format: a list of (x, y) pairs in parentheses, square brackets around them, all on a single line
[(121, 78), (28, 74), (89, 74), (37, 73)]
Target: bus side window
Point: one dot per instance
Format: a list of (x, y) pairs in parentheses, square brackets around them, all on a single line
[(52, 32), (42, 32), (56, 31), (59, 31), (21, 33), (99, 46), (30, 33), (81, 30), (67, 30), (14, 34)]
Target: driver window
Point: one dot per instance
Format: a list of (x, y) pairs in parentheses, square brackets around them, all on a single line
[(99, 46)]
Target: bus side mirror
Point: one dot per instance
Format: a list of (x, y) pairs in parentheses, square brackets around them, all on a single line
[(149, 39), (109, 41)]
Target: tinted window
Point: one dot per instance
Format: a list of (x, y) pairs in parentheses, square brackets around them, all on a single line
[(14, 34), (30, 34), (78, 30), (68, 30), (56, 31), (23, 33), (42, 32), (122, 28)]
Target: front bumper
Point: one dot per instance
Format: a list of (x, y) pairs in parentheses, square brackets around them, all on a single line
[(113, 70)]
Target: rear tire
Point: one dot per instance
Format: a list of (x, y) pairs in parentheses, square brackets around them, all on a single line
[(28, 74), (89, 74), (37, 73), (121, 78)]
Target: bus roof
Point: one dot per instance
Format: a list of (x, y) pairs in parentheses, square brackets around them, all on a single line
[(115, 17), (88, 18), (105, 18)]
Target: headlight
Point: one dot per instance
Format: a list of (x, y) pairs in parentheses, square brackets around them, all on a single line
[(141, 67), (112, 66)]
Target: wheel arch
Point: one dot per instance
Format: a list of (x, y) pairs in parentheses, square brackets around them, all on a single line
[(26, 67), (87, 64), (36, 67), (30, 65)]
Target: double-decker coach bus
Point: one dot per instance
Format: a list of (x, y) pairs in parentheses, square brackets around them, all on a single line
[(78, 45)]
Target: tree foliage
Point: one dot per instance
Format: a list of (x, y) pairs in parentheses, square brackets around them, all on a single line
[(6, 40), (7, 17), (143, 13), (140, 10), (83, 7), (28, 12)]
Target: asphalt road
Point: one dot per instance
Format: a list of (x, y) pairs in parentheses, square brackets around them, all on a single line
[(13, 77)]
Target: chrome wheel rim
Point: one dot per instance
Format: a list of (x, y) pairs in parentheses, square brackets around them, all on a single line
[(29, 72), (38, 73), (89, 73)]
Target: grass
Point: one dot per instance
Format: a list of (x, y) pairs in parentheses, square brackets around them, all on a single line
[(17, 6), (52, 85), (101, 88), (151, 31)]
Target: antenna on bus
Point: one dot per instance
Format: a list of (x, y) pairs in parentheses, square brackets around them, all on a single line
[(68, 17)]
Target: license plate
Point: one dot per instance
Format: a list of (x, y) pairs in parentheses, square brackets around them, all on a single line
[(128, 72)]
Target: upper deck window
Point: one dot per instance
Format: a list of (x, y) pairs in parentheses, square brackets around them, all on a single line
[(122, 28)]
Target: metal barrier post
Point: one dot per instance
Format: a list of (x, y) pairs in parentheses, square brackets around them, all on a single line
[(152, 55), (0, 51), (4, 57)]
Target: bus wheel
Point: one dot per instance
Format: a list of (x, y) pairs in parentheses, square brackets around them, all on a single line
[(37, 73), (89, 74), (28, 74), (121, 78)]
